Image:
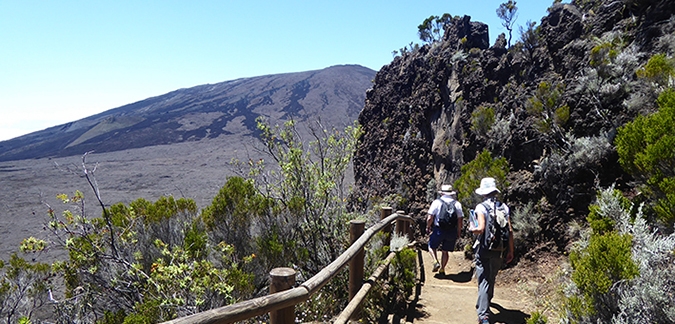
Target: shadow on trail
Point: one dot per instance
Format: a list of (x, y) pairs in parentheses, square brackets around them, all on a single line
[(464, 276), (510, 316)]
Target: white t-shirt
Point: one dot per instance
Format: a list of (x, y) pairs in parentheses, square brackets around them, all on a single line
[(435, 207), (480, 208)]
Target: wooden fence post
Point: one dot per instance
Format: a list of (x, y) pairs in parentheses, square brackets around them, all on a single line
[(401, 224), (384, 213), (282, 279), (356, 265)]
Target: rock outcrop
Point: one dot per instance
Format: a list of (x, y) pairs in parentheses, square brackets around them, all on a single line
[(580, 59)]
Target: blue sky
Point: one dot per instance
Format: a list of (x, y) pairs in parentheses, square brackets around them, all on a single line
[(65, 60)]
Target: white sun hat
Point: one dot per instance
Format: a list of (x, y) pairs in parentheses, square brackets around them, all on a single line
[(487, 186), (447, 190)]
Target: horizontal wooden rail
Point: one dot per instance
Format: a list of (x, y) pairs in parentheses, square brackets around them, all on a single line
[(265, 304)]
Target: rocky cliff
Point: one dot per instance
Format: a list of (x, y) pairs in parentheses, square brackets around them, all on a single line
[(550, 105)]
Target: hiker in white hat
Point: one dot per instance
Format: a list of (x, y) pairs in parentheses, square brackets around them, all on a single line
[(495, 237), (444, 226)]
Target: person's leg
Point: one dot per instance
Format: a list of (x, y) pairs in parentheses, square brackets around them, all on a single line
[(483, 302), (444, 260), (434, 242), (449, 240), (495, 266)]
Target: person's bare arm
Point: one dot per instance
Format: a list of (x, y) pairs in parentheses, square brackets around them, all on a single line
[(430, 222), (510, 254)]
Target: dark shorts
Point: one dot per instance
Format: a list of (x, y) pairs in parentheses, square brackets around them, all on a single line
[(446, 239)]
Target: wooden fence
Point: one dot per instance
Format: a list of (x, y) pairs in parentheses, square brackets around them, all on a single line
[(281, 301)]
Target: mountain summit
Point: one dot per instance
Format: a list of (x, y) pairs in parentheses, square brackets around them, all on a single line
[(335, 95)]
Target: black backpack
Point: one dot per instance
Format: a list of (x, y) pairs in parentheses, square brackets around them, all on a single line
[(447, 217), (496, 235)]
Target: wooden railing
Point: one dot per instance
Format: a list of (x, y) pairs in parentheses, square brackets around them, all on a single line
[(281, 301)]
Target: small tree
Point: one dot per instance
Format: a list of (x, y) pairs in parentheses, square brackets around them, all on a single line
[(507, 12), (432, 29), (306, 182)]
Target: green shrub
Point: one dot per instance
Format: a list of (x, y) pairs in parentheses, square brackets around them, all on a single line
[(548, 108), (403, 273), (606, 261), (646, 148), (537, 318), (482, 120), (146, 262), (659, 69), (623, 269), (484, 165)]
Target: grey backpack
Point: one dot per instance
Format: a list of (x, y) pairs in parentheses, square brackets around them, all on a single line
[(496, 236)]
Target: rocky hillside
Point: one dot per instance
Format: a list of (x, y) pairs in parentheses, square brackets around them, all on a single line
[(550, 104), (334, 95)]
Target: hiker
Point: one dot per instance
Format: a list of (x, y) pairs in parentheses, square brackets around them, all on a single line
[(444, 228), (495, 236)]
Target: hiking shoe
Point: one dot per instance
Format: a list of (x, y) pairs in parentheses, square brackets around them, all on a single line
[(483, 320), (436, 267)]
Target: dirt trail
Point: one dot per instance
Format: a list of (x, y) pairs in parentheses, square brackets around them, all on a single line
[(452, 298)]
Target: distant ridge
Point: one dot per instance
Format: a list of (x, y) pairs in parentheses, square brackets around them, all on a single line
[(335, 95)]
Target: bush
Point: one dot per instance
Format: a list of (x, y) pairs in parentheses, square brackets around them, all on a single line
[(525, 222), (646, 148), (484, 165), (482, 120), (145, 262), (659, 69), (537, 318), (623, 273), (548, 109), (23, 288)]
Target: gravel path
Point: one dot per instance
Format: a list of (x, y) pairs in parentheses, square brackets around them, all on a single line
[(452, 298)]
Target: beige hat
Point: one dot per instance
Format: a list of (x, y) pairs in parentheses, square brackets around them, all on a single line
[(447, 190), (487, 186)]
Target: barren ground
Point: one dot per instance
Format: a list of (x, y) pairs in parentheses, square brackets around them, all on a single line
[(194, 170)]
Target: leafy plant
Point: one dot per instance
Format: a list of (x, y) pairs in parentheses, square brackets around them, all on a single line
[(484, 165), (482, 120), (646, 147), (431, 29), (550, 111), (308, 219), (537, 318), (23, 288), (659, 69), (622, 270)]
